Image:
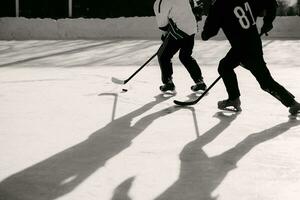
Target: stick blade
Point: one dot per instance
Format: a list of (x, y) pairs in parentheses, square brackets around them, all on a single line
[(117, 81), (184, 103)]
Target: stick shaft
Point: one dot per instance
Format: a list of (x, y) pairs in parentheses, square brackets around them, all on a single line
[(139, 69), (199, 98), (206, 91)]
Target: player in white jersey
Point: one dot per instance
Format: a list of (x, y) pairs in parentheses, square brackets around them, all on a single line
[(178, 23)]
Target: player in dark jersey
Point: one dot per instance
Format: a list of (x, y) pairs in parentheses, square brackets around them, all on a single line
[(237, 19)]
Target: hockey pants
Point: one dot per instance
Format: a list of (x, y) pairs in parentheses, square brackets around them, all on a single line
[(185, 47), (257, 66)]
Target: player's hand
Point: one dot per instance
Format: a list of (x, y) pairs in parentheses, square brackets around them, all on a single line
[(266, 28), (163, 36), (197, 10), (204, 36)]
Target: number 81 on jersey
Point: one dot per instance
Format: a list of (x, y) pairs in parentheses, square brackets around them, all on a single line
[(240, 13)]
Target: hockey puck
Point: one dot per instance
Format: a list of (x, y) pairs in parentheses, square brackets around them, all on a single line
[(124, 90)]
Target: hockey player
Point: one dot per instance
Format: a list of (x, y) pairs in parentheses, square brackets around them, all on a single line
[(237, 19), (176, 20)]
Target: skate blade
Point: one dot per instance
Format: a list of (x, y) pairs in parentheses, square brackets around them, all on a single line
[(295, 112), (232, 109), (169, 93), (200, 92), (294, 115)]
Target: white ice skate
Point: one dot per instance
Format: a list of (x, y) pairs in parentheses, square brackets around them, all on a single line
[(230, 105)]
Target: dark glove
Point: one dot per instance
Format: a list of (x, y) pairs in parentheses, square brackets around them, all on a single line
[(163, 36), (266, 28), (204, 36), (197, 10)]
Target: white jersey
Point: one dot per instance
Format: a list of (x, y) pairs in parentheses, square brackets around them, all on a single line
[(175, 12)]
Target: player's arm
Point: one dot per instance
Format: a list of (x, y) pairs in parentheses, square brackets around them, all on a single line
[(270, 14), (162, 14), (212, 23), (197, 8), (271, 8)]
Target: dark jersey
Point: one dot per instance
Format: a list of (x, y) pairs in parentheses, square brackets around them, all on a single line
[(237, 19)]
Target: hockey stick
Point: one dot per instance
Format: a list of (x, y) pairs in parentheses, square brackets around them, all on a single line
[(122, 82), (188, 103), (119, 81)]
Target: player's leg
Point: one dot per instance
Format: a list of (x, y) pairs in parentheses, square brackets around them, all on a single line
[(258, 68), (226, 71), (185, 56), (165, 54)]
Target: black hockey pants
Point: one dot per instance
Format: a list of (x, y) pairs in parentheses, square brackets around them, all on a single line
[(185, 47), (257, 66)]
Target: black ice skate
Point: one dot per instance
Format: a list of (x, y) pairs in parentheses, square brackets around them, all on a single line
[(227, 104), (295, 108), (199, 86), (167, 87)]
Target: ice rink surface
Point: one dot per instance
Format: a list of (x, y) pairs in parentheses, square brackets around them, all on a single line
[(69, 133)]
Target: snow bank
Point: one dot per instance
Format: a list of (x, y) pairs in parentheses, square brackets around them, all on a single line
[(135, 27)]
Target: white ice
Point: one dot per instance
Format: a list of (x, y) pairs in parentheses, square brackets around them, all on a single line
[(69, 133)]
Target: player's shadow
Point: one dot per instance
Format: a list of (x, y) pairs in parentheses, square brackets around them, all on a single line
[(61, 173), (200, 174), (121, 192), (195, 95)]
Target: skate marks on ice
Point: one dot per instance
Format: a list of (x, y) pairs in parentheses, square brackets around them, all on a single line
[(65, 49), (61, 173)]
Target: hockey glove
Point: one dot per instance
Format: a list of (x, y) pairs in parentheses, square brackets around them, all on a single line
[(266, 28), (197, 10), (163, 36), (204, 36)]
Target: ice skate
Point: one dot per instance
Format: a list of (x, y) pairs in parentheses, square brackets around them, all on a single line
[(168, 87), (199, 86), (295, 108), (228, 104)]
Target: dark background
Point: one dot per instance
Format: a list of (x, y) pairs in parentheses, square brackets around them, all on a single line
[(99, 8)]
